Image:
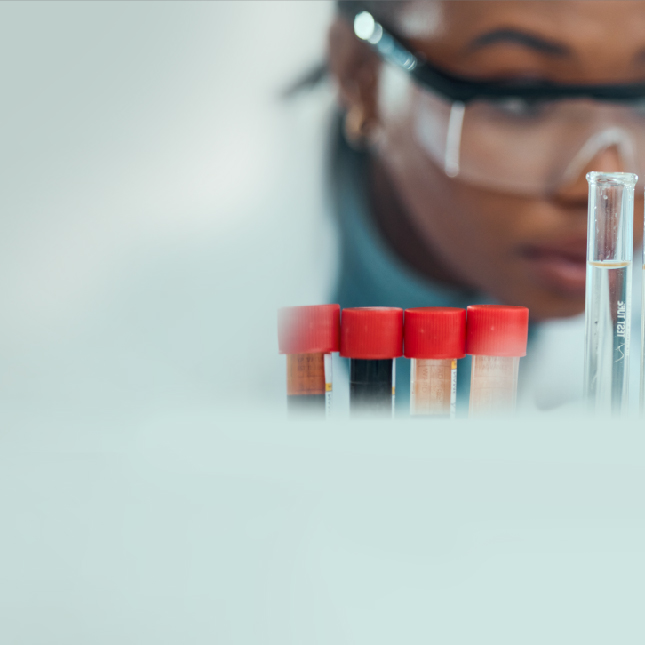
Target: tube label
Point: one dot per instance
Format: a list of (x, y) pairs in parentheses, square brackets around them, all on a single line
[(453, 389), (393, 383), (328, 383)]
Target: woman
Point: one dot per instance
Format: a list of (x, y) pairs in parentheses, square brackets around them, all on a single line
[(468, 130)]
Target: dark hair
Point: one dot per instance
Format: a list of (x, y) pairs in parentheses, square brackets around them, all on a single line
[(385, 10)]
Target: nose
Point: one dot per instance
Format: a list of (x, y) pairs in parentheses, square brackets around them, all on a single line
[(606, 160)]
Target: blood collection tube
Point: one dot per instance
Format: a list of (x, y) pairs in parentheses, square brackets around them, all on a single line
[(608, 290), (496, 337), (372, 337), (434, 338), (308, 336)]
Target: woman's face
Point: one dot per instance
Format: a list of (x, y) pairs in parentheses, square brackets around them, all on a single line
[(522, 249)]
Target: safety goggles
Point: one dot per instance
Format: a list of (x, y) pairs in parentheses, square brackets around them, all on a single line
[(522, 137)]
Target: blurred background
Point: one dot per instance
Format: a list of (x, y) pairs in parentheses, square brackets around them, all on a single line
[(159, 200)]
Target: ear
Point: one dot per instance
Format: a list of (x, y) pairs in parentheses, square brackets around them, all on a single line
[(354, 67)]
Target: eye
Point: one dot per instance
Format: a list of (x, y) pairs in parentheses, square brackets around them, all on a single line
[(517, 108)]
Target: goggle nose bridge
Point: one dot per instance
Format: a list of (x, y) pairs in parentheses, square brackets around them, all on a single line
[(607, 138)]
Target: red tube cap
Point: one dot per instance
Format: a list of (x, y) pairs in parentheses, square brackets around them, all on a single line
[(372, 333), (309, 330), (435, 332), (497, 331)]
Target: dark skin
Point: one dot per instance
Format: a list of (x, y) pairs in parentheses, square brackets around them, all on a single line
[(520, 249)]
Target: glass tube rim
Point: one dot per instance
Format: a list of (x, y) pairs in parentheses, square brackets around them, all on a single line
[(612, 178)]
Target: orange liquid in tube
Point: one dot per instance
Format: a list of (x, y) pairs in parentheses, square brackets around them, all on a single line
[(306, 382), (431, 387)]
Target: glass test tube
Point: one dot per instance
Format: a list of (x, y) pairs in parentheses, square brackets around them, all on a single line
[(434, 338), (608, 290), (372, 337), (308, 336), (496, 337)]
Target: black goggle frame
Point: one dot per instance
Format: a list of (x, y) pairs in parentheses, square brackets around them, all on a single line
[(392, 48)]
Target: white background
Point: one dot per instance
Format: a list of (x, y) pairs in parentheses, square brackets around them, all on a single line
[(158, 201)]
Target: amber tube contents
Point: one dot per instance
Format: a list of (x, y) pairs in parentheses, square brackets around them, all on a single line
[(307, 386), (433, 387)]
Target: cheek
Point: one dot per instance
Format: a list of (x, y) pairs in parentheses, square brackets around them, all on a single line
[(463, 227)]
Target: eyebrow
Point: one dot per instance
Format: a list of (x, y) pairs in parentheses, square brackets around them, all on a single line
[(518, 37)]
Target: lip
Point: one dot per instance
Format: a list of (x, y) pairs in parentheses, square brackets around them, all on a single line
[(561, 267)]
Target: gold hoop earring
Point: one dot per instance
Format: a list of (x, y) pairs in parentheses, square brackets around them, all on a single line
[(357, 129)]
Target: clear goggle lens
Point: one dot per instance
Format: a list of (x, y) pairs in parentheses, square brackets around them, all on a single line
[(516, 145)]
